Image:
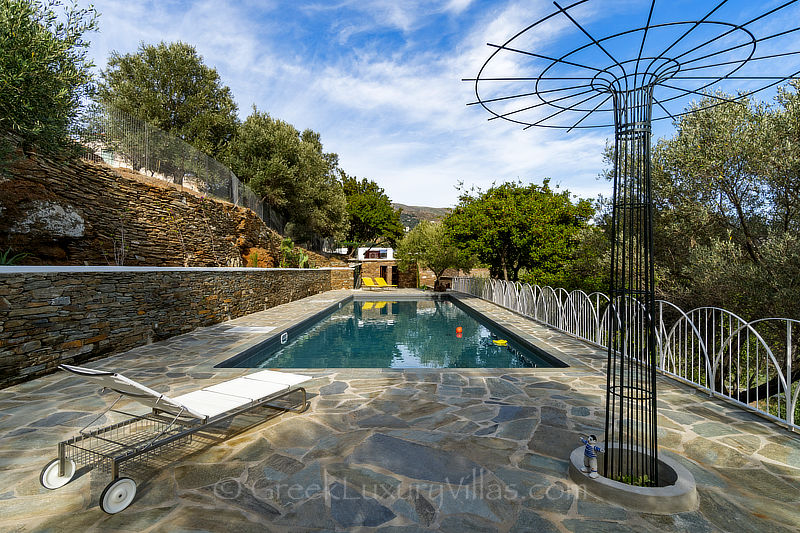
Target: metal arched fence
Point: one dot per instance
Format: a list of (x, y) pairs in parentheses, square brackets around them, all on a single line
[(748, 363)]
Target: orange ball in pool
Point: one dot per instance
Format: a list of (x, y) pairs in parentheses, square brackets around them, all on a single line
[(458, 329)]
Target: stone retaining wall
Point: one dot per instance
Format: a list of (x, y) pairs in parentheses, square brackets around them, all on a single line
[(342, 278), (74, 212), (53, 315)]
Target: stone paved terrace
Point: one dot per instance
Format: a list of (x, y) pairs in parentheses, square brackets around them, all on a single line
[(394, 450)]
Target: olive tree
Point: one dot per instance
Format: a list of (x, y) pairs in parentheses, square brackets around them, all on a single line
[(169, 86), (44, 70), (291, 171), (429, 245)]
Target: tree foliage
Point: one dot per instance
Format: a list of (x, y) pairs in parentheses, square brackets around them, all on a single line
[(589, 265), (370, 212), (514, 227), (783, 159), (44, 70), (430, 246), (726, 189), (715, 162), (291, 172), (169, 86), (726, 195)]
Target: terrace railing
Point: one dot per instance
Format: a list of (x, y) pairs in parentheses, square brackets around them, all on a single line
[(754, 364)]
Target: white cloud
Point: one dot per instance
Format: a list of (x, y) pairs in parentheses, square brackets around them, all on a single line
[(398, 117), (457, 6), (446, 141), (405, 16)]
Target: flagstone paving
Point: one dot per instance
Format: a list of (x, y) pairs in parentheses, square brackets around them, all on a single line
[(454, 450)]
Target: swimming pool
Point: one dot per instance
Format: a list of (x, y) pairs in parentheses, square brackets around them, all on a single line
[(435, 332)]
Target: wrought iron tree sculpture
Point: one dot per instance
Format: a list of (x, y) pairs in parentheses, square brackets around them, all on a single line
[(639, 76)]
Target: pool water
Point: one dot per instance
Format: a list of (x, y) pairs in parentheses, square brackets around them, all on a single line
[(397, 334)]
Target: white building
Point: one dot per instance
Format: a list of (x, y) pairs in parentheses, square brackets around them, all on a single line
[(386, 254)]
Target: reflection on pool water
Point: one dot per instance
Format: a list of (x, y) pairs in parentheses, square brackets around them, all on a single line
[(398, 334)]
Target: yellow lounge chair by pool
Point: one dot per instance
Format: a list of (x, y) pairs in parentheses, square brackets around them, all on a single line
[(382, 283), (367, 283)]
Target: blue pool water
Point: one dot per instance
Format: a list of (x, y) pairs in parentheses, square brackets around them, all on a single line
[(396, 334)]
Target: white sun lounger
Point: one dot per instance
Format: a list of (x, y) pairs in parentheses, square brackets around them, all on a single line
[(171, 421)]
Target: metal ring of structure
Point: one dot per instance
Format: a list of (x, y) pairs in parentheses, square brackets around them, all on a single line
[(659, 69)]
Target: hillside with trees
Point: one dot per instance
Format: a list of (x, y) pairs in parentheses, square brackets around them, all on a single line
[(411, 215), (291, 171), (169, 86)]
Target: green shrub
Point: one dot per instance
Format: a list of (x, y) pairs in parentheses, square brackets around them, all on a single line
[(292, 257), (638, 481), (252, 259), (6, 259)]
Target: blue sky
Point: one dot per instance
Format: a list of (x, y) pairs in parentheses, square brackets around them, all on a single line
[(381, 80)]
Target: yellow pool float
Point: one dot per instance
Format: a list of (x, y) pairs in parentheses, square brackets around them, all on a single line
[(500, 342)]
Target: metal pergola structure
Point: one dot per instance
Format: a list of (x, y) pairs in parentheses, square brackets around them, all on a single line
[(557, 73)]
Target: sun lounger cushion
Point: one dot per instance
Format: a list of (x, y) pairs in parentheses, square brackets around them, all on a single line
[(204, 403), (250, 389), (210, 404), (284, 378)]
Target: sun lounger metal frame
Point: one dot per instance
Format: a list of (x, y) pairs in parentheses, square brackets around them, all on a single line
[(139, 437), (108, 447)]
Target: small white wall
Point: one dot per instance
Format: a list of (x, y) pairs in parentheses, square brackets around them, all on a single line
[(389, 253)]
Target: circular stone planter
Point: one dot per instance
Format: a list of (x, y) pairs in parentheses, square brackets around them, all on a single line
[(678, 494)]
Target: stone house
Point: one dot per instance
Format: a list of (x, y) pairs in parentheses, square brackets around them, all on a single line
[(380, 262)]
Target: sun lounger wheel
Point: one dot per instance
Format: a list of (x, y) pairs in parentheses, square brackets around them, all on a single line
[(118, 495), (49, 477)]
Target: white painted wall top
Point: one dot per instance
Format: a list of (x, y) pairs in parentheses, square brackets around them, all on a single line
[(386, 254)]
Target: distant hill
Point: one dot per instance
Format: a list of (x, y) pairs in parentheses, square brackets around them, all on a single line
[(412, 214)]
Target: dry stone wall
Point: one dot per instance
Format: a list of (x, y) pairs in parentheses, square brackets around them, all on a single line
[(84, 213), (54, 315), (342, 278)]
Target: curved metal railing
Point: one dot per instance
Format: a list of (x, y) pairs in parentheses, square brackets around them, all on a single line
[(749, 363)]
